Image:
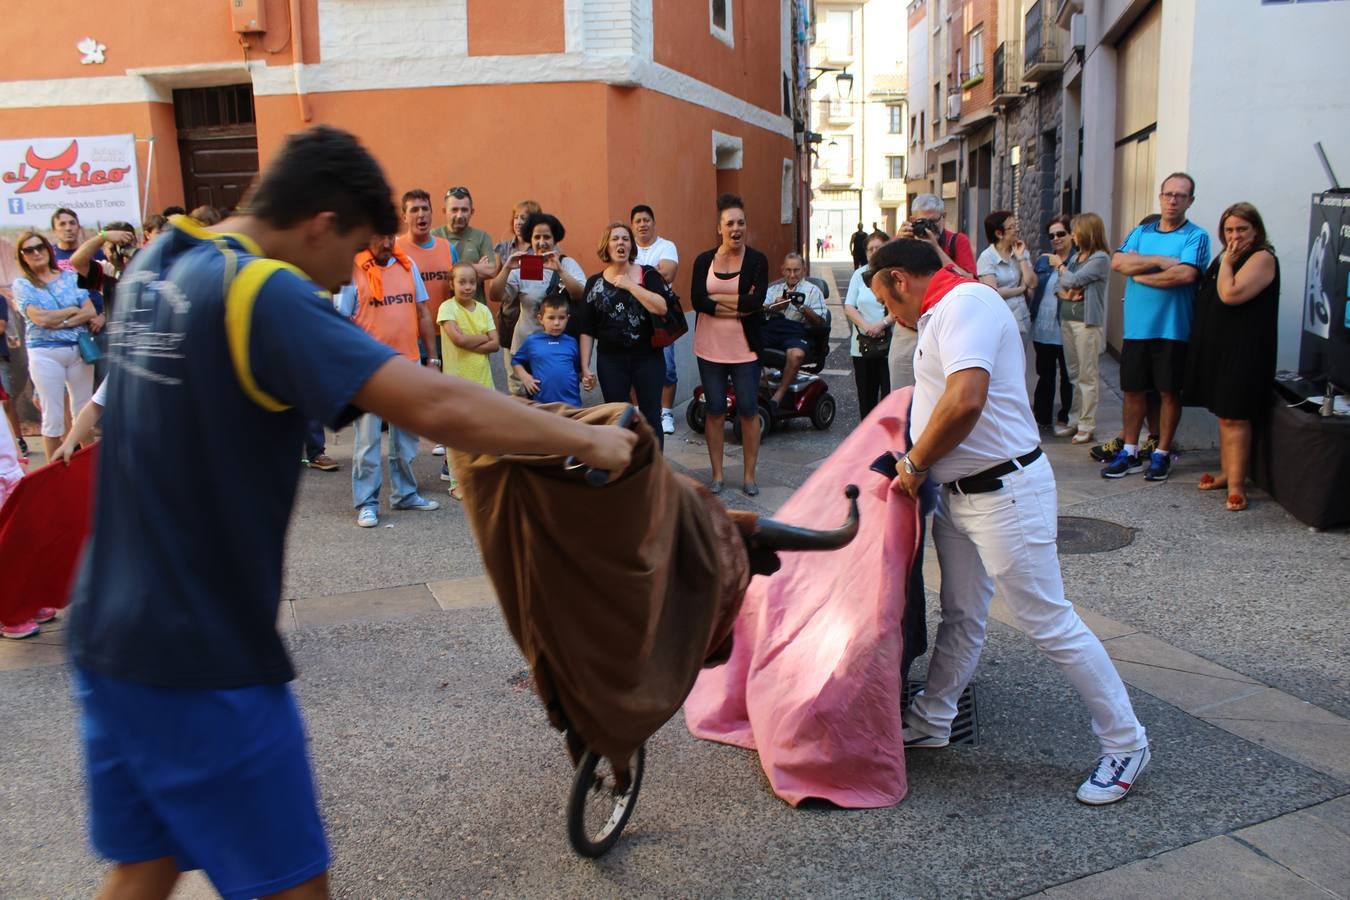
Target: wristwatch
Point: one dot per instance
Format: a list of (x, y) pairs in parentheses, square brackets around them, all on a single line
[(910, 469)]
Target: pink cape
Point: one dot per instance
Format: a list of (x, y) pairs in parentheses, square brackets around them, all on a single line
[(813, 682)]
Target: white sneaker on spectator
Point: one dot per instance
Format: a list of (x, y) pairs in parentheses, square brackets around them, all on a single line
[(438, 450), (668, 421), (419, 502), (367, 517)]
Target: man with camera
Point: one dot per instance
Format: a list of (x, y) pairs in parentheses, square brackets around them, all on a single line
[(994, 525), (790, 306), (927, 222)]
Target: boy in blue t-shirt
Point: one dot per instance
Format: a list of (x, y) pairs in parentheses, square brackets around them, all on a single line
[(548, 364)]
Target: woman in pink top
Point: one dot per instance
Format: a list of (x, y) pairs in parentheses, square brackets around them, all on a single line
[(727, 291)]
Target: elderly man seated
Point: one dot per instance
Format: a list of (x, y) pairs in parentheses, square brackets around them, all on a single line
[(789, 307)]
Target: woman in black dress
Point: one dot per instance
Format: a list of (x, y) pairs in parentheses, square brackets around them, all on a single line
[(1232, 353)]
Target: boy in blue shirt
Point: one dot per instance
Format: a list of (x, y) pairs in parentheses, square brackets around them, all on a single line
[(548, 364)]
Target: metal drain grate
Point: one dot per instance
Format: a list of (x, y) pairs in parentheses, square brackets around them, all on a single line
[(1078, 534), (965, 728)]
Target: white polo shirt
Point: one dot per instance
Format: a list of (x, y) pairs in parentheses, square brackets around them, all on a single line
[(972, 328)]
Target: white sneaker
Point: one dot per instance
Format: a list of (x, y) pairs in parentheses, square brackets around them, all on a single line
[(367, 517), (668, 421), (917, 740), (1113, 777), (419, 503), (1066, 430), (438, 450)]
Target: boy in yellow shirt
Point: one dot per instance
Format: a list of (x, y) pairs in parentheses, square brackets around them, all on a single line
[(470, 339)]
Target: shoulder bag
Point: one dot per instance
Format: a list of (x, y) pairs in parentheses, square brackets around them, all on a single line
[(672, 326)]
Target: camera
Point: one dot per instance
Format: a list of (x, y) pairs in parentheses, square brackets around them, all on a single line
[(794, 297), (922, 227)]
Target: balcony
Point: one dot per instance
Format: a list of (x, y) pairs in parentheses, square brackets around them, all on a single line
[(891, 191), (889, 84), (971, 77), (836, 50), (1044, 55), (837, 112), (953, 105), (1007, 73)]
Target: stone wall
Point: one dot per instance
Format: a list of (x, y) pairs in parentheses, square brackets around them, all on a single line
[(1035, 125)]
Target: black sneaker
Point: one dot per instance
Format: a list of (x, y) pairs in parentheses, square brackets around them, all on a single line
[(1107, 451), (23, 446), (1159, 465), (1123, 464)]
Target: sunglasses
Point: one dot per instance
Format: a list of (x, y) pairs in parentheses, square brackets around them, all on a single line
[(459, 193), (1059, 234), (35, 248)]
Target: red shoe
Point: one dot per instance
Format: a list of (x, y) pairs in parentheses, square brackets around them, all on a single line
[(44, 615), (22, 630)]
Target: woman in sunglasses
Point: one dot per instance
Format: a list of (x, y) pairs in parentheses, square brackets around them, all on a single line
[(57, 310)]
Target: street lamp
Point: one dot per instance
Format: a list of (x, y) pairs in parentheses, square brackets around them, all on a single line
[(843, 85)]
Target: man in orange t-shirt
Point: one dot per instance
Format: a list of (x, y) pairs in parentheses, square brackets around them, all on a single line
[(388, 300)]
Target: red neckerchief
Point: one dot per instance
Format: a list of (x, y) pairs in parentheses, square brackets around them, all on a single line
[(943, 281)]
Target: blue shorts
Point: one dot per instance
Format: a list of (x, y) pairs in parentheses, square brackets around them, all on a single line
[(217, 779), (744, 378), (784, 334), (672, 374)]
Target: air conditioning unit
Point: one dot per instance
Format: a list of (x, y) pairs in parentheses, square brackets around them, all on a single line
[(953, 106)]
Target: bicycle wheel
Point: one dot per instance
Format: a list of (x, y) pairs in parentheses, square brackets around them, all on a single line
[(596, 815)]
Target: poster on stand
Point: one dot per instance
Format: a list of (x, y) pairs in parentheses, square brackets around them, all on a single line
[(95, 176)]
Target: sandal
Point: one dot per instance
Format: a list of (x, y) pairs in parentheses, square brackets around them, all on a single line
[(1209, 483), (1236, 503), (455, 494)]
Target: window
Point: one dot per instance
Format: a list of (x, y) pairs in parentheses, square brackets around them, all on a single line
[(839, 31), (914, 132), (840, 156), (918, 134), (897, 122), (720, 21), (895, 167), (977, 52), (788, 200), (960, 77)]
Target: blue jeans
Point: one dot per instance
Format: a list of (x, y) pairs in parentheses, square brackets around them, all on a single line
[(366, 475), (315, 441), (672, 373)]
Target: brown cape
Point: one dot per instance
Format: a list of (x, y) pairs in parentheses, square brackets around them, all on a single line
[(616, 595)]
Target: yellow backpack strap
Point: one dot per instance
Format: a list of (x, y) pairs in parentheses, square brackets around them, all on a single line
[(240, 295)]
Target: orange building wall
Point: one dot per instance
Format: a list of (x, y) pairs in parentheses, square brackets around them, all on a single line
[(509, 27), (141, 35), (751, 70)]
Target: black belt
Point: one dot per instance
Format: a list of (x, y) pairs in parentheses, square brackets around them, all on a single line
[(991, 479)]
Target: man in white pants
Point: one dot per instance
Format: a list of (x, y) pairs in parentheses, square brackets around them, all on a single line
[(996, 516)]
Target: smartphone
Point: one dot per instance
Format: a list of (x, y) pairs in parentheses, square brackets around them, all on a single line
[(532, 268)]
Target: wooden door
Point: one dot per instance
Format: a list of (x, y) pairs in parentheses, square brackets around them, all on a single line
[(217, 144)]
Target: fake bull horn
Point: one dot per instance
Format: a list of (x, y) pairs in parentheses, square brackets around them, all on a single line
[(770, 534)]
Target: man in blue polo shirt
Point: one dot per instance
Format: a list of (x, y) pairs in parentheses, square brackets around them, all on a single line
[(1163, 262), (194, 747)]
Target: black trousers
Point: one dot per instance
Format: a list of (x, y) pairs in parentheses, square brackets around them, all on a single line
[(640, 373), (1048, 357), (873, 378)]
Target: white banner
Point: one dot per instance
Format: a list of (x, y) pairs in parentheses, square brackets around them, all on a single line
[(95, 176)]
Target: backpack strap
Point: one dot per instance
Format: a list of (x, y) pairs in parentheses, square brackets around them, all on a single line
[(241, 293)]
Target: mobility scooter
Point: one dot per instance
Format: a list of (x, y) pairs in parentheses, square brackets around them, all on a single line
[(807, 397)]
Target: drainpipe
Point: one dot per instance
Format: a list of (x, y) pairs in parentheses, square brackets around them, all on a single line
[(297, 60)]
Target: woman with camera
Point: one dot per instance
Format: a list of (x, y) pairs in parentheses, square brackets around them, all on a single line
[(58, 312), (870, 343)]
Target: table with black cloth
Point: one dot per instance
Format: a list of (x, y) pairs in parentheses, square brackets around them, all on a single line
[(1303, 458)]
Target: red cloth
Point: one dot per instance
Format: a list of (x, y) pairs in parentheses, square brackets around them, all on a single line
[(943, 281), (43, 527)]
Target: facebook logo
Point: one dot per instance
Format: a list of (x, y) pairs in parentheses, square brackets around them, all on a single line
[(16, 206)]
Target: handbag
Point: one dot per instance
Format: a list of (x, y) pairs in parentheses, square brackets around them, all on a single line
[(874, 347), (89, 351), (669, 328)]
